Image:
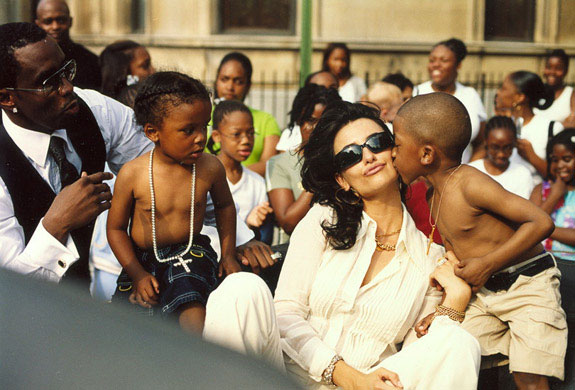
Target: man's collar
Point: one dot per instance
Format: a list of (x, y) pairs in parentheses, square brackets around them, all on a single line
[(34, 144)]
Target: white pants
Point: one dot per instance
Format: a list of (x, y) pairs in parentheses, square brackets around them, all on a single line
[(240, 315)]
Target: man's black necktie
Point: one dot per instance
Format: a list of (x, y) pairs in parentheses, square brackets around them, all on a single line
[(68, 173)]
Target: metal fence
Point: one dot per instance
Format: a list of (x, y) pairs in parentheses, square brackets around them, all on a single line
[(274, 93)]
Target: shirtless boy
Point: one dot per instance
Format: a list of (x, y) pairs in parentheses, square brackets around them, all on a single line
[(495, 234), (160, 201)]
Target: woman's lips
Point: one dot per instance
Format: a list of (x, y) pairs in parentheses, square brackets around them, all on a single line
[(373, 170)]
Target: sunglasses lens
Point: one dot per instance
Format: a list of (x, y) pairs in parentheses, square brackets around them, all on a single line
[(54, 82), (348, 156), (379, 142)]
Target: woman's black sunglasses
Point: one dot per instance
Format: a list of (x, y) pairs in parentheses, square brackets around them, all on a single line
[(352, 154)]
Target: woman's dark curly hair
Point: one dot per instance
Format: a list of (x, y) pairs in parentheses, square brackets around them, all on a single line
[(306, 99), (319, 171), (163, 90)]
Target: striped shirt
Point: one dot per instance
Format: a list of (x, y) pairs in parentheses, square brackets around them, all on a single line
[(323, 310)]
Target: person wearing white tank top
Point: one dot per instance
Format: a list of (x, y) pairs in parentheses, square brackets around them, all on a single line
[(563, 107)]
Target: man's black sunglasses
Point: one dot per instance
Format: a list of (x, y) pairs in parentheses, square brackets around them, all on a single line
[(352, 154)]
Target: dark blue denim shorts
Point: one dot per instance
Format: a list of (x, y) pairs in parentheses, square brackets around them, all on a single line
[(177, 285)]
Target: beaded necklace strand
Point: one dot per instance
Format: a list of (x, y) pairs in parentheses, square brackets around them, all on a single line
[(179, 257)]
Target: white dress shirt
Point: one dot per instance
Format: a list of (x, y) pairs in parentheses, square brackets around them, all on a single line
[(45, 257), (323, 310)]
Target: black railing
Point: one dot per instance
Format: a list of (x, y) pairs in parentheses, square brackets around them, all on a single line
[(275, 94)]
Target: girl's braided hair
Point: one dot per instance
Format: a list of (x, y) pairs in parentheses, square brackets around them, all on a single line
[(163, 90)]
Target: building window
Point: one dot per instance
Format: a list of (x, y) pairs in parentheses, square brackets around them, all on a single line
[(138, 16), (257, 16), (509, 20)]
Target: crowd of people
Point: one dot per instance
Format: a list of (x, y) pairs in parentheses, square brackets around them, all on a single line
[(390, 237)]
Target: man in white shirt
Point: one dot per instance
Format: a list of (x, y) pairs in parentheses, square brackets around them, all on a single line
[(50, 134)]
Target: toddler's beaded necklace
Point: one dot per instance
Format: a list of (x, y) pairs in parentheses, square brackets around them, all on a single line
[(179, 257)]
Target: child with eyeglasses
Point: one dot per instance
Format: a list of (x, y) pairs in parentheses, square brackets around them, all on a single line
[(500, 140), (233, 130)]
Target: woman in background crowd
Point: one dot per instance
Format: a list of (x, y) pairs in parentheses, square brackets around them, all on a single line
[(563, 107), (233, 82), (520, 93), (444, 63), (337, 59), (124, 64)]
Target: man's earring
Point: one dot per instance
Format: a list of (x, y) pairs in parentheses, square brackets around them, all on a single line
[(15, 110)]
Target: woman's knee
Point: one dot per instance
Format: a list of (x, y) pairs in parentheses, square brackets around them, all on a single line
[(241, 286)]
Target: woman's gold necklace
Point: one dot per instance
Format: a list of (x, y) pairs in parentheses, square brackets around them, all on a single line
[(434, 225), (384, 246)]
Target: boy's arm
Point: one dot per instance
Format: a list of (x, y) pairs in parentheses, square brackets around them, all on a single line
[(225, 211), (117, 232), (484, 193)]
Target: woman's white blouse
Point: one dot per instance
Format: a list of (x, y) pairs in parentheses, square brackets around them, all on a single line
[(322, 308)]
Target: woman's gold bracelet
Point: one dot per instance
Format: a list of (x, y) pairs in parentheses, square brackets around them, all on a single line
[(453, 314)]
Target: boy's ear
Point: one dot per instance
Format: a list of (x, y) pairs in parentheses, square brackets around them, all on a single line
[(151, 132), (342, 182), (426, 155), (216, 136)]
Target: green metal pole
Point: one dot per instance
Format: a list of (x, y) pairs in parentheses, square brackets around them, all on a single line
[(305, 44)]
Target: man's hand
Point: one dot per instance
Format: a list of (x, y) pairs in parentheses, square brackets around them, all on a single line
[(258, 215), (228, 265), (475, 271), (256, 254), (78, 204)]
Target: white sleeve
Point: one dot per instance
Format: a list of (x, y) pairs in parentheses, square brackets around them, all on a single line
[(481, 113), (124, 138), (557, 127), (299, 340), (44, 257)]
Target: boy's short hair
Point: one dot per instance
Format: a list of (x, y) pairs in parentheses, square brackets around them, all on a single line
[(500, 122), (439, 119)]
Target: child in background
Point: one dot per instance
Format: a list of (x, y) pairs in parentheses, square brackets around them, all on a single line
[(401, 82), (161, 198), (556, 196), (233, 129), (500, 140), (387, 97), (496, 236)]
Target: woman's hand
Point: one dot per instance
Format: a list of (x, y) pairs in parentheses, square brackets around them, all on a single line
[(457, 291), (258, 215), (349, 378)]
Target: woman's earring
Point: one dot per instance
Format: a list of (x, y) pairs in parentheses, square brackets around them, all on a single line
[(15, 110)]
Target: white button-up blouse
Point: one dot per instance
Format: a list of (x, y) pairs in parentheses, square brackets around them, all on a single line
[(322, 308)]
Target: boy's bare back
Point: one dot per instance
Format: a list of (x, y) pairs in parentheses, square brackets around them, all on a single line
[(172, 188), (468, 220)]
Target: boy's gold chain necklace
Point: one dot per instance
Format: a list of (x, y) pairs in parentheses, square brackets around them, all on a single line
[(434, 225), (153, 201)]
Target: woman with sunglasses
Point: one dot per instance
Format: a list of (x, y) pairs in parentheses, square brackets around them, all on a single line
[(355, 280)]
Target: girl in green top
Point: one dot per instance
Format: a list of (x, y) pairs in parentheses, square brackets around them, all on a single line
[(233, 82)]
